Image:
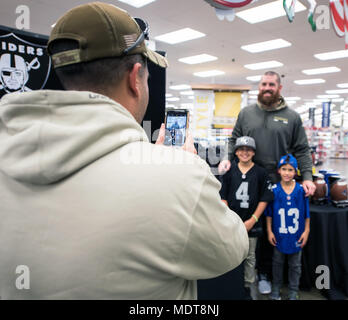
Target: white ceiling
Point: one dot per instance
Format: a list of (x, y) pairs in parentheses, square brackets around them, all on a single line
[(223, 39)]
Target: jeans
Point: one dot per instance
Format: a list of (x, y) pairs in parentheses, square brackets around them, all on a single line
[(249, 263), (264, 252), (294, 261)]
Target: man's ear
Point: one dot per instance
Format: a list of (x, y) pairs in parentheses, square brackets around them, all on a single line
[(134, 79)]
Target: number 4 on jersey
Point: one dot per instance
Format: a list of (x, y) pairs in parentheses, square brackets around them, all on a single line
[(242, 194)]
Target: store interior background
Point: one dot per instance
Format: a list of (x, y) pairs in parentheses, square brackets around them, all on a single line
[(224, 40)]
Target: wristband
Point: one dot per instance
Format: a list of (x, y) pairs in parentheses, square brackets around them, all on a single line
[(256, 219)]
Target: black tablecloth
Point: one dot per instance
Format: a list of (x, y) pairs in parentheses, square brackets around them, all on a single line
[(327, 245), (229, 286)]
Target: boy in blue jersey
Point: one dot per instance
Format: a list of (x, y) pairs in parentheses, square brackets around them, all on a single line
[(246, 189), (287, 227)]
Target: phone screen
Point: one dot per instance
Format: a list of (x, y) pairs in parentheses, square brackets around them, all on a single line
[(176, 125)]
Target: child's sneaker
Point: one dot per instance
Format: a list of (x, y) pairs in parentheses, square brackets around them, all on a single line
[(293, 295), (264, 285), (275, 295)]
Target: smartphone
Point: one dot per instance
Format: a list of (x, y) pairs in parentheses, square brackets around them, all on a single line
[(176, 124)]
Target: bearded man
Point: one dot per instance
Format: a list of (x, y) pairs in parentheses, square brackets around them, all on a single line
[(277, 130)]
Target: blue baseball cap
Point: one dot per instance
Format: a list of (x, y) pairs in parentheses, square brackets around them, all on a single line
[(288, 159)]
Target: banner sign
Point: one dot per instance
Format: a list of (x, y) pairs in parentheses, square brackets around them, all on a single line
[(203, 106), (311, 117), (227, 108), (325, 122)]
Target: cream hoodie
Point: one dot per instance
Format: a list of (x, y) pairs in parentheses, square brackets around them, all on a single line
[(89, 209)]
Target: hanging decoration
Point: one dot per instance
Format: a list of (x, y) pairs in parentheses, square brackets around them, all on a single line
[(339, 17), (290, 12), (224, 9)]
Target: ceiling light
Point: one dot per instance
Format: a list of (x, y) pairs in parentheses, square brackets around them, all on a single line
[(137, 3), (342, 85), (168, 95), (327, 96), (267, 11), (254, 78), (180, 87), (210, 73), (172, 99), (332, 55), (302, 109), (320, 100), (266, 45), (180, 36), (292, 98), (338, 100), (309, 81), (338, 91), (187, 93), (187, 105), (263, 65), (198, 59), (321, 70)]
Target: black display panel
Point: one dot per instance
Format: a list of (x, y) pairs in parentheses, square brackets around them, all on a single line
[(157, 100), (24, 63)]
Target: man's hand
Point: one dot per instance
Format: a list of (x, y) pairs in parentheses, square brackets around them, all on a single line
[(189, 146), (308, 187), (161, 135), (224, 166)]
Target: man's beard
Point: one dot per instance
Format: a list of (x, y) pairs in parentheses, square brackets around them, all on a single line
[(269, 100)]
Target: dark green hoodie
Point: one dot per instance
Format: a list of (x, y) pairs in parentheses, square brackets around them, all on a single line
[(276, 131)]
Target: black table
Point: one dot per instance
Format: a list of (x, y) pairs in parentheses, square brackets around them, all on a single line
[(229, 286), (328, 246)]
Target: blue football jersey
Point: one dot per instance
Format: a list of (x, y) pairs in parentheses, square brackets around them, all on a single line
[(288, 213)]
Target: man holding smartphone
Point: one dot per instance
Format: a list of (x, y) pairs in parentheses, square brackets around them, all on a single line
[(88, 204)]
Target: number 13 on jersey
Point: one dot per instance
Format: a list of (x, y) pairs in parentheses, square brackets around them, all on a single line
[(291, 212)]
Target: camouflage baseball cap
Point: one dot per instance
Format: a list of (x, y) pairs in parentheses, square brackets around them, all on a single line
[(101, 30)]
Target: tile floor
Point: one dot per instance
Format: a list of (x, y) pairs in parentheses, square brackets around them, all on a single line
[(313, 294)]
